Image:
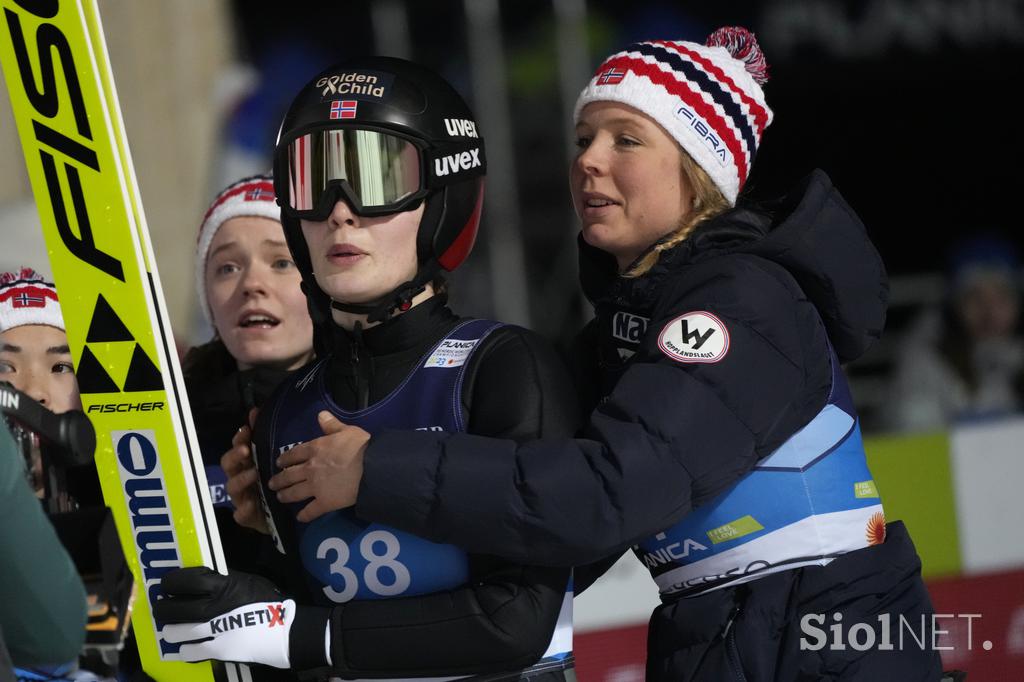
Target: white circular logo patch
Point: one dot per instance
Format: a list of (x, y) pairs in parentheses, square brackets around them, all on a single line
[(694, 337)]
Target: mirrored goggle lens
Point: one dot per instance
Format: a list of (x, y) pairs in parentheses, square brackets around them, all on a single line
[(380, 169)]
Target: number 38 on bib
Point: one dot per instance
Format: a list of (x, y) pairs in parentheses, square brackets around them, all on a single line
[(351, 559)]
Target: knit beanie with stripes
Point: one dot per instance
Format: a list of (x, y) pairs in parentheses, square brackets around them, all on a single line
[(252, 196), (708, 97), (26, 298)]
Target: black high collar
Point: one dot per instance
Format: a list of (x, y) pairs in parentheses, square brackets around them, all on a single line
[(418, 327), (603, 285), (367, 364)]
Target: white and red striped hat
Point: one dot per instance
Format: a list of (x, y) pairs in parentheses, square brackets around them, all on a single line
[(26, 298), (708, 97), (252, 196)]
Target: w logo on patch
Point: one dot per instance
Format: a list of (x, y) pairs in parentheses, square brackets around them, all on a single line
[(697, 336)]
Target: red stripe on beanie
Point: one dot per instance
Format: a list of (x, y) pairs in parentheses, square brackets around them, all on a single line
[(759, 113), (26, 288), (235, 191), (692, 98)]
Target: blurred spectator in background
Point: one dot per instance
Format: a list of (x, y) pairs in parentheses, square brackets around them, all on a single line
[(253, 92), (966, 361)]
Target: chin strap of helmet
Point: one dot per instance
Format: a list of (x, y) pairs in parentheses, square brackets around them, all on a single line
[(399, 299)]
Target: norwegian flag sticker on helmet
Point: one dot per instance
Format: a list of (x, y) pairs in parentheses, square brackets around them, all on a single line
[(344, 108)]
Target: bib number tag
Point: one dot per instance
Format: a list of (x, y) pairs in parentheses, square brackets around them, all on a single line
[(351, 559), (384, 575)]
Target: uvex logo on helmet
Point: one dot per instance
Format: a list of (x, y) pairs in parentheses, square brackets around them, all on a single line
[(456, 163), (460, 127)]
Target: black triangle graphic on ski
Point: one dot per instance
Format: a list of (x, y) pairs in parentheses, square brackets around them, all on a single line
[(142, 373), (105, 325), (92, 378)]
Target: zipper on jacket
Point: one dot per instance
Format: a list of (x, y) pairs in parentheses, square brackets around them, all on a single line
[(362, 382), (732, 652)]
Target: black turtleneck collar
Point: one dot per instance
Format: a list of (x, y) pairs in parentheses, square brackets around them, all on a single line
[(604, 285), (367, 364), (431, 319)]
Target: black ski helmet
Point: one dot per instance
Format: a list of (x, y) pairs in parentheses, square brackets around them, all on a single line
[(394, 102)]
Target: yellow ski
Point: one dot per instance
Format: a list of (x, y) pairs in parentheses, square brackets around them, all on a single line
[(58, 76)]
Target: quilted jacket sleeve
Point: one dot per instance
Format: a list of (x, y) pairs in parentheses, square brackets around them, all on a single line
[(670, 435)]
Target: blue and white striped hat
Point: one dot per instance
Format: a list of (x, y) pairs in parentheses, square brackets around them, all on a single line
[(708, 97)]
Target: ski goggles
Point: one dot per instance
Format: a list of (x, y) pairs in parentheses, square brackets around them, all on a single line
[(376, 172)]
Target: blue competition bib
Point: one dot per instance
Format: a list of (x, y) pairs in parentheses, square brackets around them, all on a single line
[(345, 557)]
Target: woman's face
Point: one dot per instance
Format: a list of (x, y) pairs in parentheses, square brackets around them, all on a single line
[(253, 288), (627, 182), (358, 259), (990, 307), (36, 360)]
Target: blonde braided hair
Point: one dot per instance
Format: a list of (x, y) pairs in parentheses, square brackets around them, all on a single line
[(708, 202)]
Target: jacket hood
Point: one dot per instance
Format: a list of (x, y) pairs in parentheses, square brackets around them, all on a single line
[(811, 231)]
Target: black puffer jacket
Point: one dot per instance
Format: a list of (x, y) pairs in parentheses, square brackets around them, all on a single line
[(666, 436), (221, 396)]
